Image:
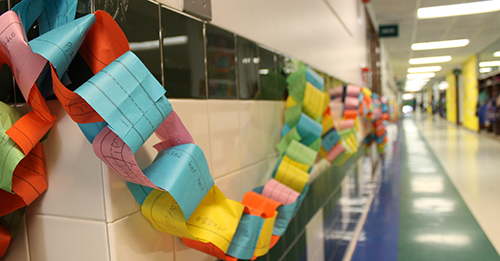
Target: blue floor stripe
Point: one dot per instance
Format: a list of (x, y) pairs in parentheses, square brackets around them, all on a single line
[(379, 238)]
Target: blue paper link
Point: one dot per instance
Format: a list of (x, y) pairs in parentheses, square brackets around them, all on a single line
[(28, 11), (176, 169), (128, 98), (139, 192), (314, 78), (258, 189), (245, 239), (56, 13), (308, 129), (330, 139), (90, 130), (285, 214), (285, 130), (60, 45)]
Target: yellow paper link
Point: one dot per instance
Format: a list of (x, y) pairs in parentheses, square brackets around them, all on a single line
[(265, 236), (215, 220), (161, 209), (313, 104), (290, 102), (327, 123), (322, 152), (367, 92), (299, 165), (356, 123), (291, 176)]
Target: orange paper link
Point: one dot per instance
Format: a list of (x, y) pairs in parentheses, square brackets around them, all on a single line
[(104, 42), (28, 182), (350, 114), (30, 129), (257, 201), (208, 248)]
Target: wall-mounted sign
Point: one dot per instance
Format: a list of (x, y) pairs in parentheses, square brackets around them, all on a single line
[(390, 30)]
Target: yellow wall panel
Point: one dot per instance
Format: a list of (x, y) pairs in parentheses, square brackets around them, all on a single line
[(451, 98), (469, 72)]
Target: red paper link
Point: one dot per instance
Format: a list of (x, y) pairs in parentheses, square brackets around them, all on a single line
[(28, 182), (258, 205), (4, 240), (104, 43), (208, 248)]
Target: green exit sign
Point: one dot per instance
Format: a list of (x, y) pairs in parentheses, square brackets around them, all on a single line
[(388, 30)]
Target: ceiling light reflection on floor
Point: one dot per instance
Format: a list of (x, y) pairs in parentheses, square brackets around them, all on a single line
[(433, 205), (427, 184), (449, 239)]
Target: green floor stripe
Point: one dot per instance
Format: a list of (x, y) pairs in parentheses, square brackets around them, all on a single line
[(435, 223)]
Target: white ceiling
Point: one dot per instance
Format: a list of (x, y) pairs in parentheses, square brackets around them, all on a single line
[(482, 29)]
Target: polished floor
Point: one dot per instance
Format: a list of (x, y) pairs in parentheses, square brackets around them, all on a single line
[(439, 198)]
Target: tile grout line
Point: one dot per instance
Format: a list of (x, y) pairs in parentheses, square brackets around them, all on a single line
[(105, 210)]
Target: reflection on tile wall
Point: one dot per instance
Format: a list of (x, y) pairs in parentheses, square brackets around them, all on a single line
[(248, 68), (221, 69), (272, 76)]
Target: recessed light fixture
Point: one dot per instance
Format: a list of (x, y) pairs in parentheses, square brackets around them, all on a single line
[(440, 44), (496, 54), (408, 96), (424, 69), (489, 64), (458, 9), (420, 75), (435, 59)]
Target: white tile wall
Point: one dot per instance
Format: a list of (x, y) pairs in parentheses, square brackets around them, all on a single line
[(134, 238), (315, 237), (62, 238), (225, 141), (88, 213)]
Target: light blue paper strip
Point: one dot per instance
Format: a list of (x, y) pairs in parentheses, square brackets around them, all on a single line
[(330, 139), (314, 78), (139, 192), (285, 214), (245, 239), (60, 45), (57, 13), (90, 130), (308, 129), (28, 11), (128, 97), (176, 170)]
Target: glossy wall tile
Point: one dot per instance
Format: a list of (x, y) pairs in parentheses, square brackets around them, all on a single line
[(247, 69), (221, 67)]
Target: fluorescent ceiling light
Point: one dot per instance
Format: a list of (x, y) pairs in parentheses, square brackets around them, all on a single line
[(435, 59), (408, 96), (458, 9), (489, 64), (485, 70), (440, 44), (496, 54), (424, 69), (413, 88), (420, 75), (443, 85)]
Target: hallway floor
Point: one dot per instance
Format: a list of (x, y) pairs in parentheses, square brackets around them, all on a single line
[(439, 198)]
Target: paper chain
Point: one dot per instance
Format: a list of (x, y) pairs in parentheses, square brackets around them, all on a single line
[(122, 105)]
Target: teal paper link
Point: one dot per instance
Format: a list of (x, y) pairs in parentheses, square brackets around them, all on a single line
[(285, 214), (57, 13), (330, 139), (273, 174), (176, 169), (60, 45), (28, 11), (308, 129), (246, 236), (285, 130), (128, 97), (90, 130), (300, 199), (258, 189), (314, 78), (139, 192)]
